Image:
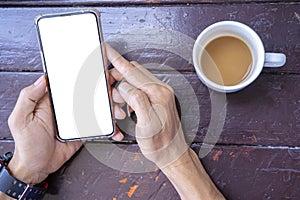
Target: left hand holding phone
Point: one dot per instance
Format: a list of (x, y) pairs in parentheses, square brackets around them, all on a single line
[(37, 151)]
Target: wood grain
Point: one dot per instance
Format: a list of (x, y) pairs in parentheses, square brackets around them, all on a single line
[(257, 155), (239, 172), (265, 113), (134, 30)]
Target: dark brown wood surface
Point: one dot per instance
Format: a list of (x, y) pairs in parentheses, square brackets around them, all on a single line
[(277, 24), (258, 153), (240, 172), (265, 113)]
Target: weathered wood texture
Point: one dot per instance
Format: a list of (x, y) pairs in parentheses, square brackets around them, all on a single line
[(253, 158), (277, 24), (265, 113), (124, 2), (239, 172)]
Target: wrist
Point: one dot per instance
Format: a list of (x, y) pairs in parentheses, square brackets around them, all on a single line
[(182, 163), (24, 173), (190, 178)]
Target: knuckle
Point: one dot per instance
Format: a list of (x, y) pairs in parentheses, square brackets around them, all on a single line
[(10, 120), (168, 88), (162, 89), (135, 63), (137, 97), (24, 92), (152, 89), (166, 94), (127, 67), (13, 121), (171, 90)]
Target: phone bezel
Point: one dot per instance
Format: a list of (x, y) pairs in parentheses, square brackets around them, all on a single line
[(99, 28)]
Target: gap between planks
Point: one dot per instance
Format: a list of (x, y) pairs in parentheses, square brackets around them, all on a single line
[(194, 144)]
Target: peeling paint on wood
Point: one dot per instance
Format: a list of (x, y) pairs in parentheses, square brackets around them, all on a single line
[(19, 48), (255, 115), (124, 180), (245, 176), (256, 160), (217, 155), (132, 190)]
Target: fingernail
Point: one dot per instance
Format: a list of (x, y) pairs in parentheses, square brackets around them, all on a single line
[(118, 136), (119, 112), (39, 81)]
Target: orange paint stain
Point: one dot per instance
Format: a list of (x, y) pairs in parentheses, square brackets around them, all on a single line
[(217, 155), (156, 178), (247, 150), (253, 138), (124, 180), (135, 158), (132, 190), (114, 198)]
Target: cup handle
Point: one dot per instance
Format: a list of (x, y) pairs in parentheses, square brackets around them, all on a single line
[(274, 59)]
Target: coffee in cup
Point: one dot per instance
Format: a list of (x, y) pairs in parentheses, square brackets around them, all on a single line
[(228, 56)]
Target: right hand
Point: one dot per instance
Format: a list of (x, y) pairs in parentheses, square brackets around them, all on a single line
[(158, 129)]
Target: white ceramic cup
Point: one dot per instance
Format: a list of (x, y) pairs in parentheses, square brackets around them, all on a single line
[(238, 30)]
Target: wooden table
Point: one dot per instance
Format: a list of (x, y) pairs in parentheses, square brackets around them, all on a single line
[(258, 153)]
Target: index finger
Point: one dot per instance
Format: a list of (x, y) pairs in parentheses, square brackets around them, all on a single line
[(118, 61)]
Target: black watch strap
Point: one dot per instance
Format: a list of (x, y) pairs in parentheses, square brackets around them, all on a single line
[(18, 189)]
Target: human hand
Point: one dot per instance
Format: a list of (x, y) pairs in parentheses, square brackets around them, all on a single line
[(37, 151), (158, 129)]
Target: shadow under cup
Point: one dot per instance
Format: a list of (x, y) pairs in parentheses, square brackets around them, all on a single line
[(229, 29)]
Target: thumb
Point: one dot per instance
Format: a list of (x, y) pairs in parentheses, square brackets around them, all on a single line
[(29, 97)]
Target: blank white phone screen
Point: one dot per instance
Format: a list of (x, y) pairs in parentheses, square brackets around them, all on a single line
[(74, 64)]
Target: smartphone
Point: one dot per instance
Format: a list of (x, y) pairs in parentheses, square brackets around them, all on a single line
[(72, 49)]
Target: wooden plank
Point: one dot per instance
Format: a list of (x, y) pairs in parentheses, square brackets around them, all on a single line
[(10, 87), (265, 113), (239, 172), (145, 32), (122, 2)]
